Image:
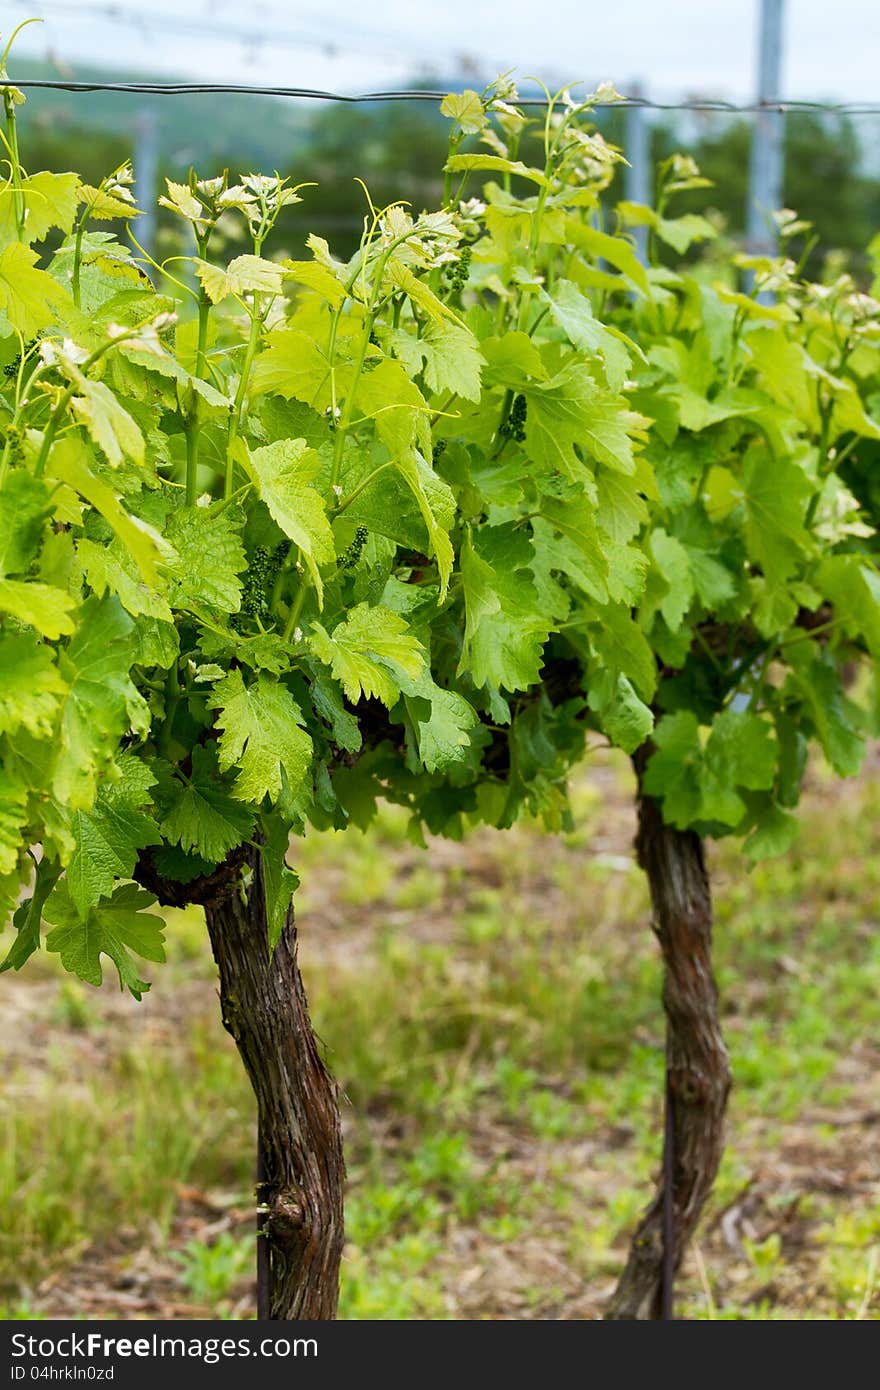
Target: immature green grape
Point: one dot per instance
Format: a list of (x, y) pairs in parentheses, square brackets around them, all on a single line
[(514, 425), (257, 585), (350, 557), (461, 270)]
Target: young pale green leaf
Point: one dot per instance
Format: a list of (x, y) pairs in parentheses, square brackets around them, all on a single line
[(29, 297), (109, 424), (243, 275), (30, 686), (466, 109), (295, 366), (69, 463), (371, 652), (49, 200), (42, 606), (325, 279), (493, 163), (616, 250)]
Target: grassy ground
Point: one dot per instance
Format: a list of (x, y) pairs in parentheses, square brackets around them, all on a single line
[(491, 1010)]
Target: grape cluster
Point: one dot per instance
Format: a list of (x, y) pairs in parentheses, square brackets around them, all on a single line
[(439, 449), (11, 368), (349, 557), (515, 424), (257, 585), (461, 270)]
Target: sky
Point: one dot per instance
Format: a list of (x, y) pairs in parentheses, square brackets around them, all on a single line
[(673, 48)]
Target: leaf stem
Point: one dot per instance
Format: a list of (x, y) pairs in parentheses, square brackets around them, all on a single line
[(296, 609), (241, 393), (12, 140)]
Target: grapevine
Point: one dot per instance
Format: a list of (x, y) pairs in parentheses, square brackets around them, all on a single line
[(281, 538)]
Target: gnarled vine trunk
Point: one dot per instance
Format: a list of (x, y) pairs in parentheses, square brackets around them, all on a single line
[(697, 1067), (300, 1167)]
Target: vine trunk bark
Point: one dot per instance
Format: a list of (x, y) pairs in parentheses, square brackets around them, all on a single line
[(697, 1066), (300, 1163)]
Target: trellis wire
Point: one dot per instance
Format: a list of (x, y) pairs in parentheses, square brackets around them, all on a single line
[(708, 104)]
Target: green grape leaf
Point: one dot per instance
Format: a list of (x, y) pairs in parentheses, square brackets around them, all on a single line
[(571, 411), (327, 700), (776, 492), (673, 570), (30, 686), (24, 507), (742, 750), (100, 702), (13, 814), (41, 606), (110, 834), (773, 833), (203, 817), (566, 536), (626, 719), (673, 772), (29, 297), (370, 653), (853, 586), (109, 424), (118, 926), (210, 558), (448, 354), (69, 463), (261, 737), (111, 568), (279, 881), (443, 722), (833, 716), (284, 473), (506, 627), (573, 312), (622, 647)]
